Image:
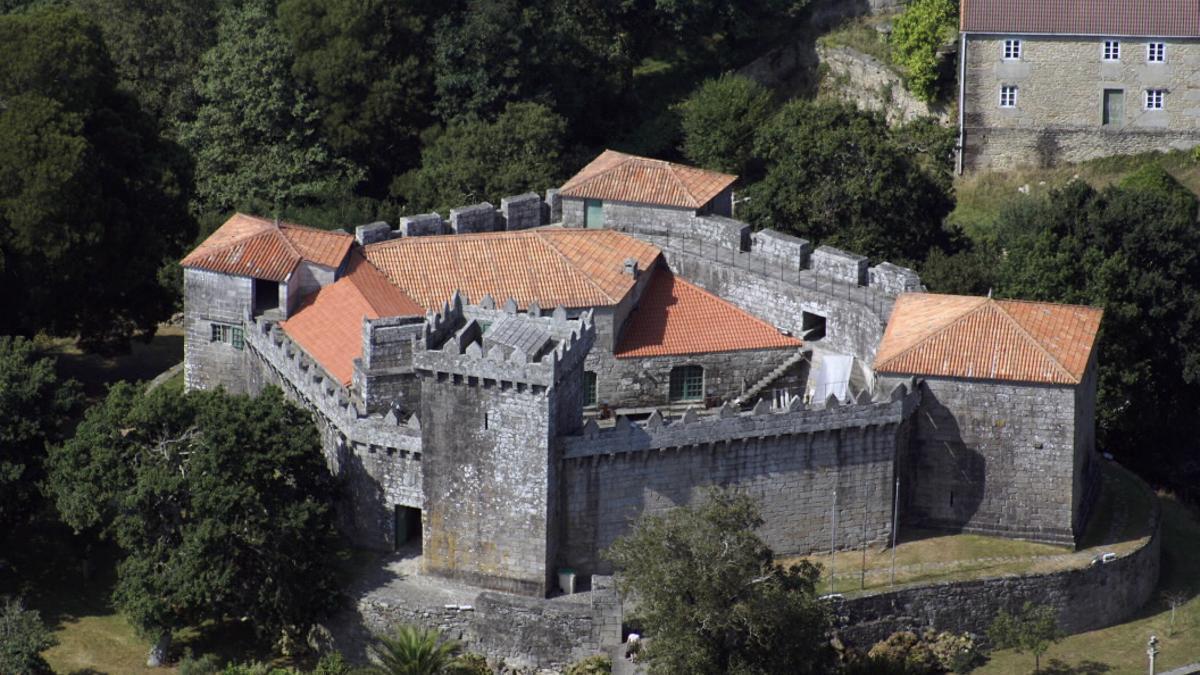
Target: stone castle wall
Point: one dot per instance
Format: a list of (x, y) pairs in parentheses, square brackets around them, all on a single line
[(1059, 110), (213, 297), (790, 461)]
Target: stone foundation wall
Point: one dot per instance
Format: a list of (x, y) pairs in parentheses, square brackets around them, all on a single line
[(1003, 149)]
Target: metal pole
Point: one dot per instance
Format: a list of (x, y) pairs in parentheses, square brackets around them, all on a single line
[(895, 517), (863, 580), (833, 541)]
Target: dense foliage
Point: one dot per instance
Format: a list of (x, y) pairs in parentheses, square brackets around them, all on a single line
[(92, 199), (1032, 630), (23, 637), (917, 35), (840, 176), (221, 505), (34, 410), (712, 597), (720, 120)]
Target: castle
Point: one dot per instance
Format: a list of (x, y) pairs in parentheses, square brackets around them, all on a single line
[(513, 387)]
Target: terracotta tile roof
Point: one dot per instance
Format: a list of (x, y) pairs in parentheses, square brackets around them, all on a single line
[(550, 266), (264, 249), (675, 317), (629, 178), (982, 338), (328, 323), (1114, 18)]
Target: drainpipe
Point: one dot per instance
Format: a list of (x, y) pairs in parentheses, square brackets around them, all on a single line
[(962, 98)]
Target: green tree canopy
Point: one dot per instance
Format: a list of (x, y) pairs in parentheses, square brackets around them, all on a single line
[(712, 597), (838, 176), (221, 505), (720, 119), (23, 637), (917, 35), (255, 135), (473, 160), (35, 408), (1032, 630), (368, 65), (92, 200)]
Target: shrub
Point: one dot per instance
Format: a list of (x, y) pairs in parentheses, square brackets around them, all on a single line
[(469, 664), (592, 665), (916, 36)]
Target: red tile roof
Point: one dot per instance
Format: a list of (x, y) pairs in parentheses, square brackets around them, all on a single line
[(1113, 18), (629, 178), (982, 338), (675, 317), (266, 249), (550, 266), (328, 323)]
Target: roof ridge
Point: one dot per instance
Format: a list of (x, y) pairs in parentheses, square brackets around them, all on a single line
[(1038, 343), (363, 260), (674, 169), (966, 313), (570, 263), (286, 241), (625, 159)]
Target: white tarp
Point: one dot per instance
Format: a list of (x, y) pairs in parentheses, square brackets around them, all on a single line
[(832, 377)]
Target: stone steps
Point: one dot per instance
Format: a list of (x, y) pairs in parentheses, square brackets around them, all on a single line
[(758, 387)]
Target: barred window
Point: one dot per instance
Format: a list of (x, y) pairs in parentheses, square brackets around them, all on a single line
[(1155, 99), (589, 388), (1008, 96), (231, 335), (1156, 52), (1012, 50), (1112, 50), (687, 383)]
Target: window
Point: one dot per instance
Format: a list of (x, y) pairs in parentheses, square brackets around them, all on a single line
[(812, 326), (1156, 52), (1008, 96), (687, 383), (1155, 99), (231, 335), (1012, 50), (589, 389), (1112, 50)]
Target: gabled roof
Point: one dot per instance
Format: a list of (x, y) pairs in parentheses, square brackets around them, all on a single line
[(1112, 18), (328, 323), (267, 249), (675, 317), (550, 266), (629, 178), (983, 338)]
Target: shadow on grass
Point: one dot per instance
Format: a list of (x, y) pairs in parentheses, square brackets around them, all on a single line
[(143, 362), (1057, 667)]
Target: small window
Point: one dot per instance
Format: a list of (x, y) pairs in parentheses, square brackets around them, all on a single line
[(687, 383), (1156, 52), (231, 335), (1008, 96), (589, 389), (1112, 50), (1012, 50), (1155, 99), (812, 326)]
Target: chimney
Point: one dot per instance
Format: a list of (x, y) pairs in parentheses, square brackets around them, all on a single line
[(631, 267)]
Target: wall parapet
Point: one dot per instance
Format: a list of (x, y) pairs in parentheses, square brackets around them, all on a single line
[(690, 430)]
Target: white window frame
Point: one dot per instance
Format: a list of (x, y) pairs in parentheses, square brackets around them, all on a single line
[(1008, 96), (1111, 51), (1012, 50), (1155, 99), (1160, 48)]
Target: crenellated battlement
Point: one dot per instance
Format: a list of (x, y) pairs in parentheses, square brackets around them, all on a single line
[(728, 425), (501, 344)]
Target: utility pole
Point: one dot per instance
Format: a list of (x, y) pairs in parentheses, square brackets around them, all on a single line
[(1152, 651), (895, 526), (833, 541)]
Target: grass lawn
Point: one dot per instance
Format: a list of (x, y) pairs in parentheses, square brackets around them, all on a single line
[(861, 34), (1122, 649), (96, 372), (982, 196), (925, 557)]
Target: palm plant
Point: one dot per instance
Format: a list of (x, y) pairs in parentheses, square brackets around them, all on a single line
[(412, 651)]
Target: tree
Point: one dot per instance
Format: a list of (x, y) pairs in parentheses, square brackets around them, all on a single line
[(917, 34), (35, 407), (221, 505), (368, 66), (93, 202), (1031, 630), (720, 119), (473, 160), (712, 597), (412, 651), (835, 174), (255, 134), (23, 637)]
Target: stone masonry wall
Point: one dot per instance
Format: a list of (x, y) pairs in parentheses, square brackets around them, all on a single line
[(1086, 598), (1060, 100), (993, 457), (870, 84), (210, 298), (791, 462)]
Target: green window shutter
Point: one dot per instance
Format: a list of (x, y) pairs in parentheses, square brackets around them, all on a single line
[(589, 388), (593, 216)]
